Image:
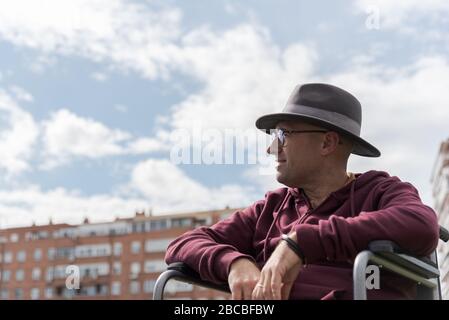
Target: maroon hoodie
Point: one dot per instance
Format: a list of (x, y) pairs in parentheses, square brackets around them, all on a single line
[(374, 206)]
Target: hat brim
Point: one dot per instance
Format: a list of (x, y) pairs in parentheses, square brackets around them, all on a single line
[(361, 147)]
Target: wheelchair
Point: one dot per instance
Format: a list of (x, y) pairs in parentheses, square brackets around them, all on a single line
[(386, 254)]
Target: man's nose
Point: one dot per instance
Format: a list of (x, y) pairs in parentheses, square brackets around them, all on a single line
[(274, 147)]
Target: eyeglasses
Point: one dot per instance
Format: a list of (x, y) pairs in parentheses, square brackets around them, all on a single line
[(280, 134)]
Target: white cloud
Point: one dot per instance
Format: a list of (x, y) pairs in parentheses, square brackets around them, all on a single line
[(145, 39), (239, 84), (100, 77), (129, 35), (169, 189), (121, 108), (146, 145), (42, 62), (17, 136), (405, 16), (263, 177), (67, 135), (21, 94), (20, 207)]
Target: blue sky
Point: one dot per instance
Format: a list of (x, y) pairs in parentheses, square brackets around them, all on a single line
[(91, 93)]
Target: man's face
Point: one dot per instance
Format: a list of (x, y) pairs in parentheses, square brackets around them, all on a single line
[(299, 159)]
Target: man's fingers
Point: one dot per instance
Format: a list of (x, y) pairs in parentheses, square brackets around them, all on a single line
[(285, 290), (258, 292), (243, 289), (248, 288), (267, 294), (258, 289), (236, 292), (275, 285)]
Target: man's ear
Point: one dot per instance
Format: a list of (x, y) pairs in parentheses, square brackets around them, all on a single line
[(329, 143)]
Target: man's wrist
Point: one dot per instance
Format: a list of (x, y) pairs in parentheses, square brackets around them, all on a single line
[(293, 236), (293, 245)]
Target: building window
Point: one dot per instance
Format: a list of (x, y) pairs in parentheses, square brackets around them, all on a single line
[(154, 266), (34, 293), (51, 253), (21, 256), (18, 293), (6, 275), (102, 289), (135, 246), (94, 290), (37, 255), (48, 292), (117, 248), (65, 253), (93, 270), (148, 286), (68, 293), (117, 268), (14, 237), (97, 250), (158, 224), (50, 273), (115, 289), (7, 257), (36, 274), (4, 294), (157, 245), (182, 222), (134, 287), (103, 250), (20, 275), (135, 269)]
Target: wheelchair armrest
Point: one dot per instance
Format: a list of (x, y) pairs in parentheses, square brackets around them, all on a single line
[(389, 250), (422, 266), (185, 269), (182, 272), (388, 254)]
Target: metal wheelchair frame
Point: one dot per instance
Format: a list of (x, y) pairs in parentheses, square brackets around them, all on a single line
[(385, 254)]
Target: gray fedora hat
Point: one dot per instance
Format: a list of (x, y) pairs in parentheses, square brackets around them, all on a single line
[(326, 106)]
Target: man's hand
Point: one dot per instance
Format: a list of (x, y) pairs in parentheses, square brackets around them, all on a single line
[(279, 274), (243, 276)]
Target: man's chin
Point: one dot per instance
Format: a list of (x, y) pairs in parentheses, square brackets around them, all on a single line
[(281, 178)]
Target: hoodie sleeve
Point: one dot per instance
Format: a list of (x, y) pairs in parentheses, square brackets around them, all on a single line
[(401, 217), (211, 250)]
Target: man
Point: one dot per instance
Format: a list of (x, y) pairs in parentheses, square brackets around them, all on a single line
[(300, 241)]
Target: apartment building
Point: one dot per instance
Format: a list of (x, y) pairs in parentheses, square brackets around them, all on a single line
[(440, 182), (120, 259)]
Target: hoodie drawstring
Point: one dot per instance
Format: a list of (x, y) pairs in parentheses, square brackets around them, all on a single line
[(281, 208), (351, 196), (265, 246)]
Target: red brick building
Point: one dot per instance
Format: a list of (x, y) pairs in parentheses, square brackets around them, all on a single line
[(440, 181), (116, 260)]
